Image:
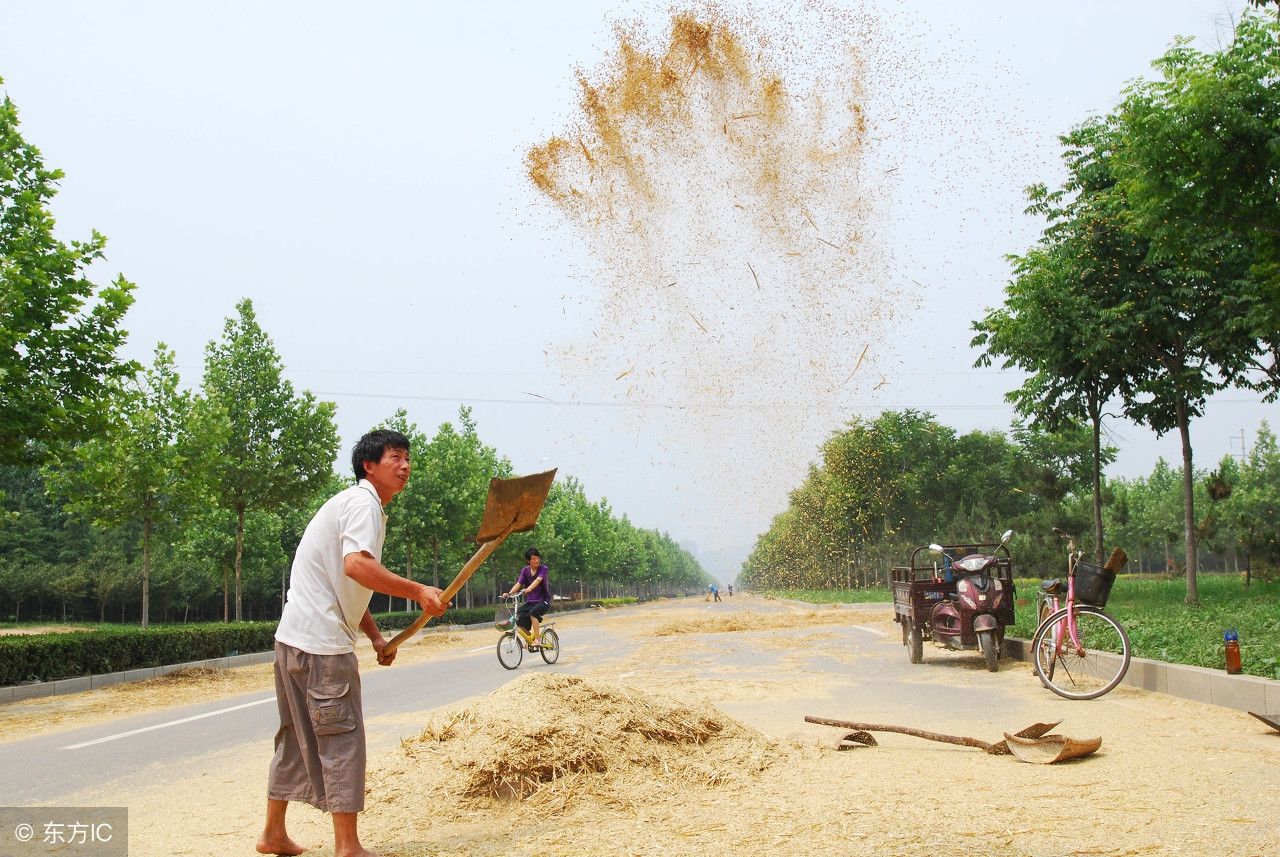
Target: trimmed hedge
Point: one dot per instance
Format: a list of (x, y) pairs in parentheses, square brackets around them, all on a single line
[(46, 657), (113, 648)]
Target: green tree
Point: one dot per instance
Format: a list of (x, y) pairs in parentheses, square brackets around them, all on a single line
[(438, 514), (109, 565), (418, 506), (1154, 510), (39, 540), (1059, 318), (135, 471), (212, 546), (19, 581), (1253, 509), (1160, 326), (293, 523), (59, 332), (1200, 164), (278, 447), (1196, 161)]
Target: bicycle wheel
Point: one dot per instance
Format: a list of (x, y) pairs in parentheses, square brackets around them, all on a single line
[(1095, 668), (549, 645), (1046, 663), (510, 652)]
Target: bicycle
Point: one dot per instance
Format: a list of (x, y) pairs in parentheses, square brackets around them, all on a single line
[(514, 639), (1080, 652)]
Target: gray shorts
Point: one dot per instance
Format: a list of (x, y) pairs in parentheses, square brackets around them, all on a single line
[(320, 754)]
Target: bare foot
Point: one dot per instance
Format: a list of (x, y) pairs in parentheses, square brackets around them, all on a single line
[(360, 852), (279, 845)]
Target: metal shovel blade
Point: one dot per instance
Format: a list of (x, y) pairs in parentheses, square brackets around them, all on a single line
[(1272, 720), (513, 505), (1035, 730), (1050, 749), (857, 739)]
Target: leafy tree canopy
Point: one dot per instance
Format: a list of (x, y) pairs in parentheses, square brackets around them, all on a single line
[(59, 332)]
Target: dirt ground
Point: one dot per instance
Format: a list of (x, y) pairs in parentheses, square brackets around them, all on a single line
[(672, 749)]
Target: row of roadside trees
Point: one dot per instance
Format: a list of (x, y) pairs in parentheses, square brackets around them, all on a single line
[(189, 504), (126, 493), (883, 487)]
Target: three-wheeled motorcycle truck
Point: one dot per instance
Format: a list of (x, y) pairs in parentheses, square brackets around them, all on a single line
[(960, 596)]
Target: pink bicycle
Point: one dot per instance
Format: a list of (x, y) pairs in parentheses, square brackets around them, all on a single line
[(1080, 651)]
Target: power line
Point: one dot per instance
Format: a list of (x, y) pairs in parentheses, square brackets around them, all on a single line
[(472, 373), (535, 399)]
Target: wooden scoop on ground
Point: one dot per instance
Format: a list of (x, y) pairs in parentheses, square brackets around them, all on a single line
[(1032, 744), (513, 506), (1049, 749)]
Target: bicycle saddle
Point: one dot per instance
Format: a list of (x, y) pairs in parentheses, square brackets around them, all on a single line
[(1052, 587)]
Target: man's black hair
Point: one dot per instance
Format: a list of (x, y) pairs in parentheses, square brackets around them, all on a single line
[(371, 447), (532, 552)]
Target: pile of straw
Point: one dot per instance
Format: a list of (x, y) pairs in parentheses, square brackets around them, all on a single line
[(554, 738)]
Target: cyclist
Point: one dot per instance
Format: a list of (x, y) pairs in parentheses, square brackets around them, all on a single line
[(533, 583)]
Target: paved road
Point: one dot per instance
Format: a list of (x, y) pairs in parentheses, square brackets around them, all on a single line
[(40, 770), (873, 673)]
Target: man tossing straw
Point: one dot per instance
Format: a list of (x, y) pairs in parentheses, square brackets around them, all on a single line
[(320, 745)]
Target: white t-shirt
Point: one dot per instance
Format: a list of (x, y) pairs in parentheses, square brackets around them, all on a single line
[(323, 609)]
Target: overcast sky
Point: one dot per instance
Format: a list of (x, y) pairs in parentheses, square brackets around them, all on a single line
[(357, 170)]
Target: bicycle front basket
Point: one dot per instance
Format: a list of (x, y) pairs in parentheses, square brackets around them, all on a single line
[(1093, 584), (501, 617)]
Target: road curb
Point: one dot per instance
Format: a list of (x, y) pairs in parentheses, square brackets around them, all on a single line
[(1200, 684), (35, 690)]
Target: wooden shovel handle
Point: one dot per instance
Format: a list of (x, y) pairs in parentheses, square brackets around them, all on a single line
[(1000, 748), (903, 730), (477, 559)]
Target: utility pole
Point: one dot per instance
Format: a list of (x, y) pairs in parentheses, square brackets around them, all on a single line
[(1244, 451), (1235, 551)]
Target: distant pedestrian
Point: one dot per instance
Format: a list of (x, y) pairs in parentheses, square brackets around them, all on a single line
[(715, 592), (730, 590)]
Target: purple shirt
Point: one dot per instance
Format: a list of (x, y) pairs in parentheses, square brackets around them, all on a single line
[(539, 593)]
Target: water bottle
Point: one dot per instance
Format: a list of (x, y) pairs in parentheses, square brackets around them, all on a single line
[(1231, 643)]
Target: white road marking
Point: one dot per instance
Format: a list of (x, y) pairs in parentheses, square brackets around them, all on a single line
[(170, 723), (871, 630), (481, 649)]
